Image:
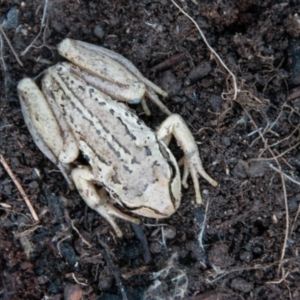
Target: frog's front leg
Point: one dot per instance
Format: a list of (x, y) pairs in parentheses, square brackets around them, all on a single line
[(175, 125), (83, 179)]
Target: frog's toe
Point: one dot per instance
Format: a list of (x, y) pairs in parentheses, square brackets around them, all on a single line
[(194, 166)]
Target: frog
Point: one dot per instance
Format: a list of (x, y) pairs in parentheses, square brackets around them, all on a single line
[(82, 109)]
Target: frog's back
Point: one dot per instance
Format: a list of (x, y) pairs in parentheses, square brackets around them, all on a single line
[(123, 152)]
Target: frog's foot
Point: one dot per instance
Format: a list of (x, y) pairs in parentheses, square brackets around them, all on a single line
[(175, 125), (83, 177), (193, 166)]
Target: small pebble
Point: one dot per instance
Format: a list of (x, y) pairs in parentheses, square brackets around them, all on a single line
[(98, 31), (227, 141), (73, 292), (169, 232), (33, 185), (57, 25), (219, 256), (246, 256), (242, 285), (215, 102), (155, 247)]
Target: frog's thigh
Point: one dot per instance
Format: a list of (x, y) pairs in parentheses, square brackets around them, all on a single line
[(83, 178), (175, 125)]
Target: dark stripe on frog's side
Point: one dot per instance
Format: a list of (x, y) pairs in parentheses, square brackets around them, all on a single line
[(98, 132), (111, 147), (133, 138), (102, 103), (127, 169), (72, 120), (91, 91), (134, 161), (88, 120), (115, 178), (106, 130), (99, 120), (97, 126), (148, 151), (120, 145), (66, 82), (100, 158)]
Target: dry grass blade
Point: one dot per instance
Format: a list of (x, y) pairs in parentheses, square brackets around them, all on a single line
[(211, 49), (41, 29), (10, 46), (284, 192), (112, 268), (19, 187)]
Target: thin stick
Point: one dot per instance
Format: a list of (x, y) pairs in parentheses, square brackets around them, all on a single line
[(296, 217), (232, 270), (286, 234), (280, 280), (285, 175), (211, 50), (83, 239), (1, 54), (20, 188), (76, 280), (200, 236), (10, 46), (112, 268), (40, 32)]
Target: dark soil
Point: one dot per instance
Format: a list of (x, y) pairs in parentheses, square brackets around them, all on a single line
[(72, 253)]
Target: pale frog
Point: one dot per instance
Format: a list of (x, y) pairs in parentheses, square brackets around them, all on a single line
[(125, 157)]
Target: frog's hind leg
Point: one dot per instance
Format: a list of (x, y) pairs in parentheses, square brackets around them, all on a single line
[(175, 125), (83, 179), (45, 129)]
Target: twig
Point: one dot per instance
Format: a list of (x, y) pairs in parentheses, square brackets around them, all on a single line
[(295, 219), (19, 187), (80, 235), (75, 279), (280, 280), (268, 147), (40, 32), (140, 270), (1, 54), (284, 192), (143, 240), (211, 50), (200, 236), (27, 232), (10, 46), (59, 242), (241, 269), (112, 269), (169, 62), (286, 176)]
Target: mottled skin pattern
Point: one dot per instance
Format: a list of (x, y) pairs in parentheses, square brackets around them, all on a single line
[(123, 152)]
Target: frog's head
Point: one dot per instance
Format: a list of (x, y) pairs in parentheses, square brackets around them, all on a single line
[(160, 197)]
